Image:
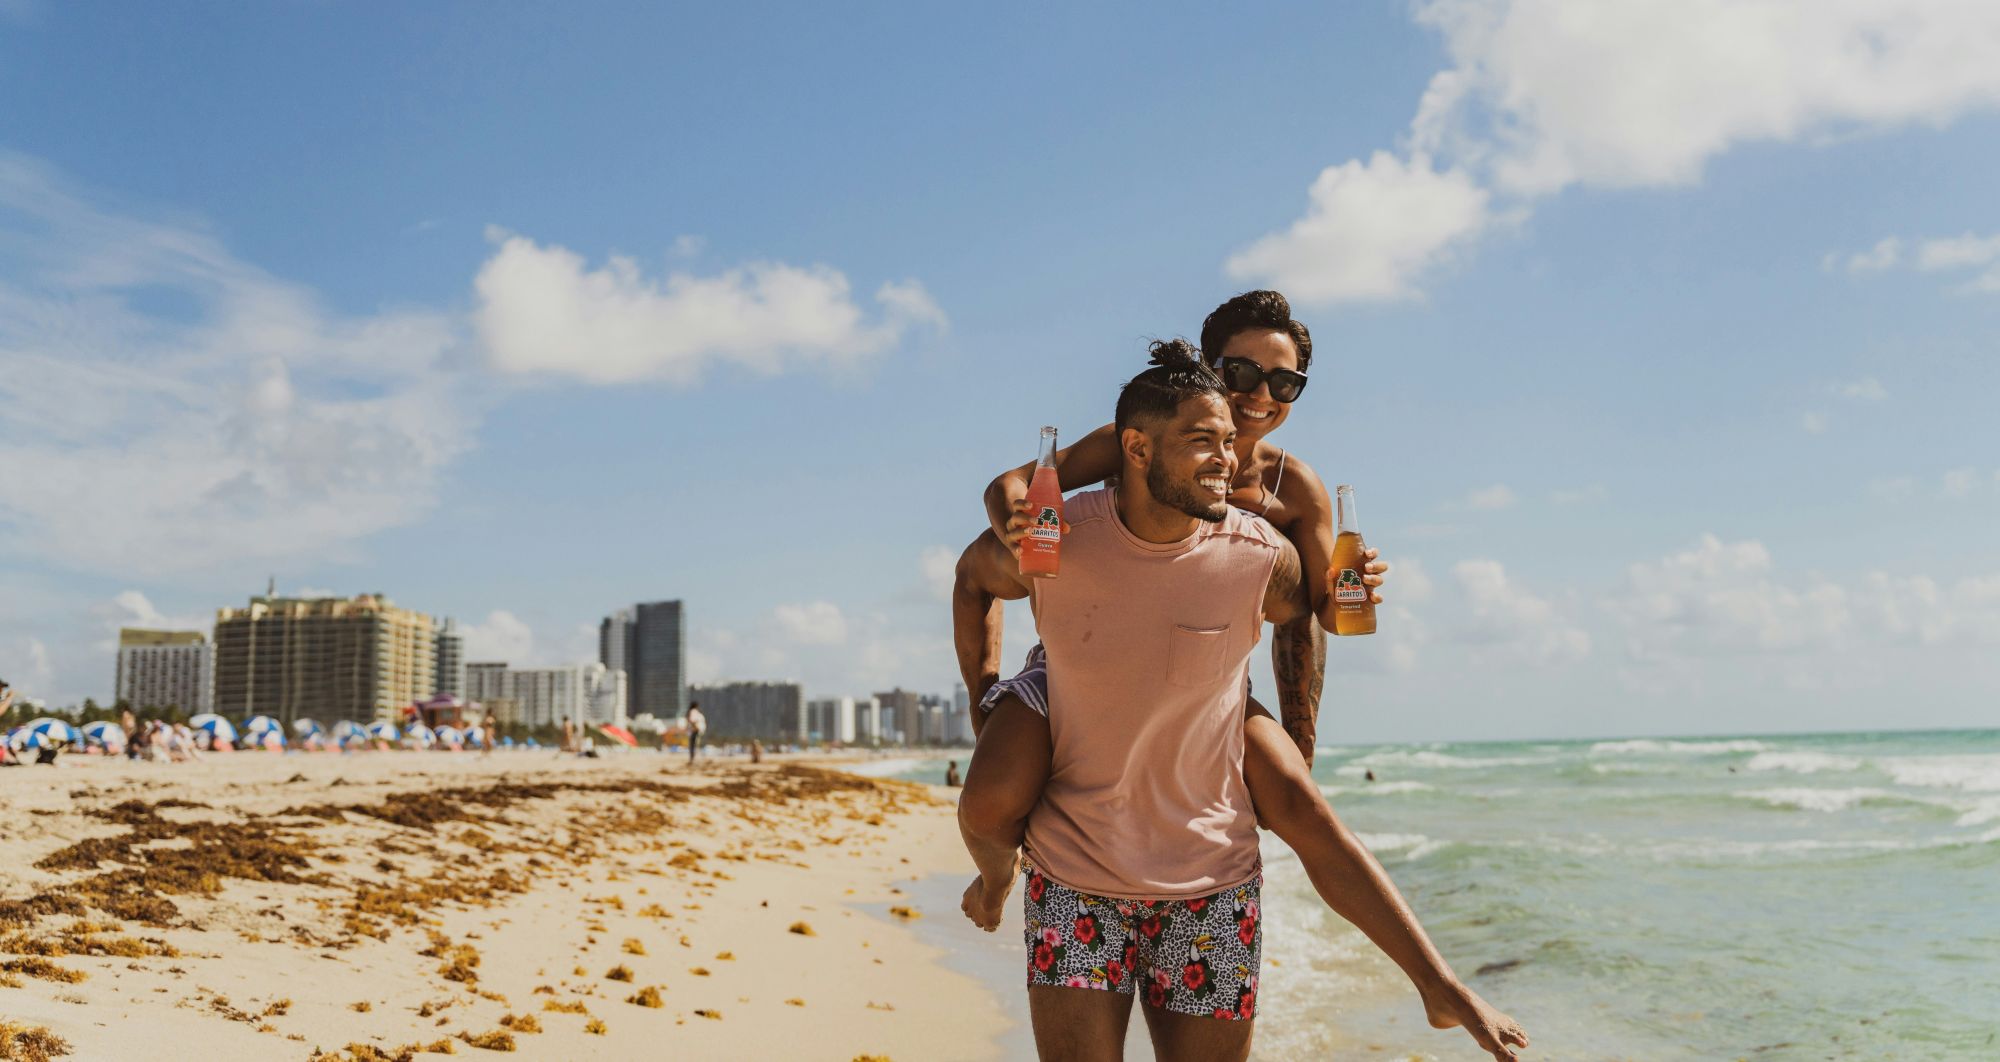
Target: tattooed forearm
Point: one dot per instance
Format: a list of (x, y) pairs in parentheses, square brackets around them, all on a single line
[(1298, 659)]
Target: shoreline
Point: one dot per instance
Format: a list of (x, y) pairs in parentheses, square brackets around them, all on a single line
[(377, 905)]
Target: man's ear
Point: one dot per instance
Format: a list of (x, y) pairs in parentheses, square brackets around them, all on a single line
[(1137, 446)]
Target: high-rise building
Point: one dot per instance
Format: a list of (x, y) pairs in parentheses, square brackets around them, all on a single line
[(545, 696), (868, 721), (958, 728), (325, 658), (771, 711), (900, 723), (617, 648), (657, 669), (830, 719), (450, 659), (165, 669)]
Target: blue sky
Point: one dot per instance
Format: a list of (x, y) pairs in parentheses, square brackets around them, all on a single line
[(1657, 339)]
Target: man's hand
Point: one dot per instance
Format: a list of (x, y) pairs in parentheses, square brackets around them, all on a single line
[(1456, 1005), (984, 905), (1019, 522)]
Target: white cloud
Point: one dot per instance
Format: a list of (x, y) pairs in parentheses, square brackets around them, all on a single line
[(1721, 599), (1958, 252), (1370, 230), (1959, 482), (812, 623), (543, 310), (1497, 496), (502, 638), (1949, 254), (1866, 389), (1541, 95), (1510, 621), (939, 566), (1886, 254), (248, 424), (130, 608), (1595, 492)]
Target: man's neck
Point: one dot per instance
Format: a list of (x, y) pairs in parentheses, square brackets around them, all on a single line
[(1147, 518)]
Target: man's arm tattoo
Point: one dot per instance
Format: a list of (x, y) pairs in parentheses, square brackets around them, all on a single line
[(1298, 660)]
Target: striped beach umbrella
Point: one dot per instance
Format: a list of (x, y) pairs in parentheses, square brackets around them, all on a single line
[(449, 737), (306, 728), (215, 726), (263, 730), (56, 730), (382, 730), (20, 739), (475, 737), (506, 743), (347, 730), (420, 736), (106, 733)]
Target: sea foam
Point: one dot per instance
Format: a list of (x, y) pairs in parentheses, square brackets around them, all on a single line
[(1649, 746)]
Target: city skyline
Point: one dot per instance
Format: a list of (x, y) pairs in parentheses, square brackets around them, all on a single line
[(1667, 426)]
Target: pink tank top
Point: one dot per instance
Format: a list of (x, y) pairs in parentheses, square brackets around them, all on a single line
[(1148, 661)]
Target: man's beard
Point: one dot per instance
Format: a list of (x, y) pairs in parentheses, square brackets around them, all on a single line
[(1184, 497)]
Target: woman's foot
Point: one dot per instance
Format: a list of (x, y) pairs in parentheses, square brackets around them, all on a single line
[(1458, 1006)]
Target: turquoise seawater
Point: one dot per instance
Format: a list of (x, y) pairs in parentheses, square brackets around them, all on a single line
[(1770, 898)]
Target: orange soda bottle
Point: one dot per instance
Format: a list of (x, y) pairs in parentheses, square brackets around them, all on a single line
[(1354, 610), (1041, 551)]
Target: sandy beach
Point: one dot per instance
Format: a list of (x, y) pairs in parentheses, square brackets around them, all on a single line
[(387, 905)]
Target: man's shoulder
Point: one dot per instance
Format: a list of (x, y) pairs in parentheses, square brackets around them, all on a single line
[(1249, 529)]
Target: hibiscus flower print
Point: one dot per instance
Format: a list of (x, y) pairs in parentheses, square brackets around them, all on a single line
[(1045, 957), (1086, 930)]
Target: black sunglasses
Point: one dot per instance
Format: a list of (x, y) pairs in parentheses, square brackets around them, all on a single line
[(1242, 374)]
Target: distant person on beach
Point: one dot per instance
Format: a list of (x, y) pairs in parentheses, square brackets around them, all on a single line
[(951, 778), (1119, 757), (697, 724), (489, 733), (569, 735)]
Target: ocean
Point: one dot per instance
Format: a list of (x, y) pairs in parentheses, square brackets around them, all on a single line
[(1824, 896)]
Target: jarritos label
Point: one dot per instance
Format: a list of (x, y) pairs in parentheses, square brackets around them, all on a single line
[(1348, 588), (1048, 525)]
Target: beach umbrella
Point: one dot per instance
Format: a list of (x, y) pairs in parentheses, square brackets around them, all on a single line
[(382, 730), (449, 737), (264, 730), (532, 743), (620, 735), (475, 735), (215, 726), (20, 740), (106, 733), (348, 730), (506, 743), (421, 736), (56, 730), (305, 728)]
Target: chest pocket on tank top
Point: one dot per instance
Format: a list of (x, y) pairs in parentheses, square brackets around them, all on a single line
[(1195, 654)]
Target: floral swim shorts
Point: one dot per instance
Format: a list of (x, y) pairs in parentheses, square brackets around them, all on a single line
[(1197, 956)]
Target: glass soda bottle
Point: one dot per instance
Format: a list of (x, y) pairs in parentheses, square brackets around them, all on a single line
[(1041, 551), (1354, 611)]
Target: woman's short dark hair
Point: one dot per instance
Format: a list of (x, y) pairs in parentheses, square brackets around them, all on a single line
[(1254, 310), (1176, 376)]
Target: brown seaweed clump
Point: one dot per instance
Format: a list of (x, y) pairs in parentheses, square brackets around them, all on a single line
[(489, 1041), (29, 1043), (521, 1023), (648, 996)]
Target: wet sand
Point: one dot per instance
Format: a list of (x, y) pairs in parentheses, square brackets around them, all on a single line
[(391, 905)]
